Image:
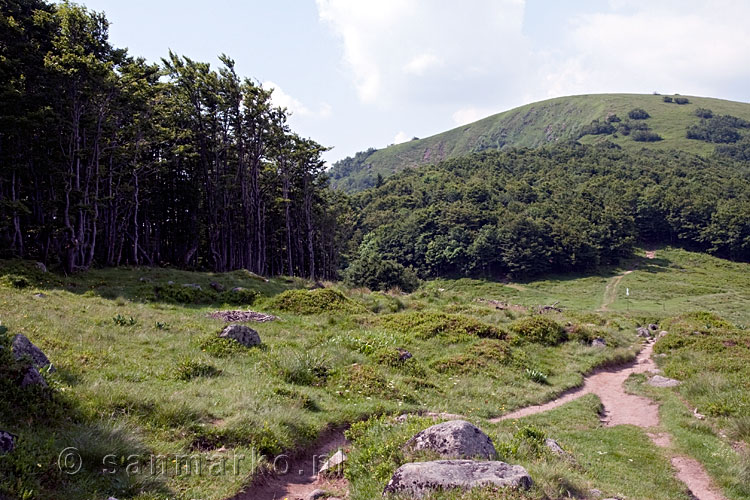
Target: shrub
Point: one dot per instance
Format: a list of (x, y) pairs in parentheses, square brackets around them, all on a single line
[(539, 330), (681, 100), (704, 113), (431, 324), (372, 271), (302, 368), (638, 114), (317, 301), (184, 294), (645, 136), (190, 369), (666, 98), (221, 347), (15, 281), (613, 119), (536, 376), (121, 320), (597, 127), (240, 296)]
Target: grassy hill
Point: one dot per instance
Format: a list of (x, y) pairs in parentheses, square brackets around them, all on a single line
[(538, 124)]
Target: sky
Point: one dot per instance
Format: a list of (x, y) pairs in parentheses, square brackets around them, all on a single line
[(359, 73)]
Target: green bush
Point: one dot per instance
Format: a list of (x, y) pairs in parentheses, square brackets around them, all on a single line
[(681, 100), (315, 302), (15, 281), (704, 113), (666, 98), (240, 296), (190, 369), (427, 325), (539, 330), (221, 347), (372, 271), (638, 114), (645, 136), (184, 294)]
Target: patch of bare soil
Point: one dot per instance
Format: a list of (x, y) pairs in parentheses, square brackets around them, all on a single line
[(295, 477)]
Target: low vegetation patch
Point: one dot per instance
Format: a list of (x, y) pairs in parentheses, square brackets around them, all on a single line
[(426, 325), (317, 301), (539, 330)]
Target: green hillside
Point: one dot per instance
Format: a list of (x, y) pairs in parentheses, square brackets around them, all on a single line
[(546, 122)]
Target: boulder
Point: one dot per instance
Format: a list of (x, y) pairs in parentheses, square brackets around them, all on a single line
[(237, 289), (39, 295), (653, 327), (454, 439), (22, 347), (41, 267), (598, 342), (659, 381), (662, 333), (317, 495), (7, 442), (217, 286), (194, 286), (333, 464), (33, 377), (415, 480), (242, 334), (643, 332)]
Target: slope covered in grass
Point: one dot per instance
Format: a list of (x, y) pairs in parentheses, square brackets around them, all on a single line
[(547, 122)]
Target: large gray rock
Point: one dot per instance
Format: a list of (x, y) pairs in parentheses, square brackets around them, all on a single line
[(217, 286), (7, 442), (242, 334), (643, 332), (33, 377), (335, 464), (454, 439), (22, 347), (415, 480), (659, 381)]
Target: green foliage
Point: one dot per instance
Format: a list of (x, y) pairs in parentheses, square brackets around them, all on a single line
[(718, 129), (704, 113), (189, 369), (121, 320), (372, 271), (681, 100), (426, 325), (221, 347), (539, 329), (645, 136), (306, 368), (666, 98), (240, 296), (15, 281), (638, 114), (181, 294), (526, 443), (323, 300), (597, 127), (536, 376)]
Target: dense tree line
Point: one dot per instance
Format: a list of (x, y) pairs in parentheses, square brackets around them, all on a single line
[(107, 159), (528, 212)]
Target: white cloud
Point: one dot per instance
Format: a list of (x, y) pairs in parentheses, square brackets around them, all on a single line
[(401, 137), (388, 45), (284, 100), (421, 63)]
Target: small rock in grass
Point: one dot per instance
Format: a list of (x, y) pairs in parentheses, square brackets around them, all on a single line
[(194, 286), (242, 334), (454, 439), (662, 333), (643, 332), (598, 342), (333, 464), (7, 442), (317, 495), (403, 354), (21, 347), (217, 286), (554, 447)]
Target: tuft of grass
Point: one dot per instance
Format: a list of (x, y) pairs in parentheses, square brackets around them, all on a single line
[(428, 324), (190, 369), (540, 330)]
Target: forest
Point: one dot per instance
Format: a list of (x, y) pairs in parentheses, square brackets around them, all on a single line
[(521, 213), (109, 160)]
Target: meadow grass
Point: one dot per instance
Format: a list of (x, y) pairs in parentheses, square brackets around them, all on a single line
[(162, 384)]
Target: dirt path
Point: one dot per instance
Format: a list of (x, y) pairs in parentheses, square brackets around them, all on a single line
[(623, 408), (301, 478), (610, 291), (619, 406)]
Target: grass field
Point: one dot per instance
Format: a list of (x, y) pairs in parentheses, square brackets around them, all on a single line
[(162, 383), (548, 122)]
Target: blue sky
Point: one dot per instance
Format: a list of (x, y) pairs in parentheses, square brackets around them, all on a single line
[(360, 73)]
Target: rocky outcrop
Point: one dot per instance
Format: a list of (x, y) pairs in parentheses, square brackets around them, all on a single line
[(335, 464), (242, 334), (22, 347), (415, 480), (454, 439)]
